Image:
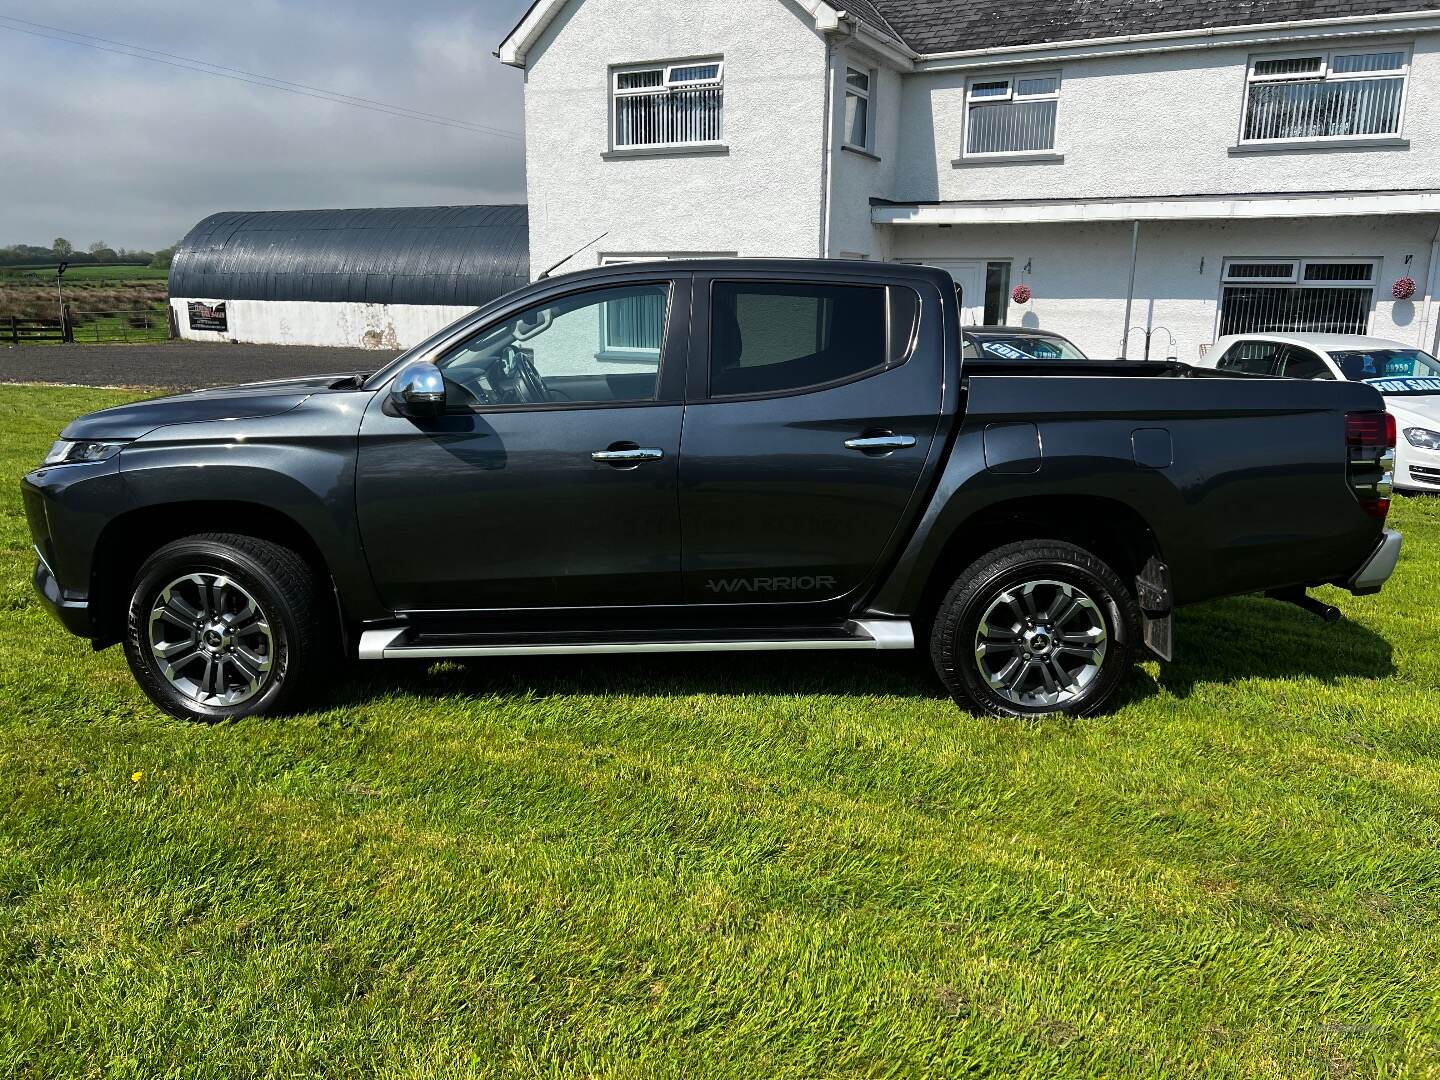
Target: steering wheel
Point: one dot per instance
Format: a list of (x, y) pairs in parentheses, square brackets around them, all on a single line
[(534, 385)]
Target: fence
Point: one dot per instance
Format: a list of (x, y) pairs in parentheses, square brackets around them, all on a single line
[(20, 331), (123, 326), (89, 327)]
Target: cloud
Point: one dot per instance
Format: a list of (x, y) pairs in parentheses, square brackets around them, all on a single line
[(99, 146)]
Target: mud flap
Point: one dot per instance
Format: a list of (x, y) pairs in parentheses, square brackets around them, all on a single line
[(1152, 590)]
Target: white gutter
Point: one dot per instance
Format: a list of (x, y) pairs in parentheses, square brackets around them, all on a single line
[(1200, 37), (1167, 208), (885, 46)]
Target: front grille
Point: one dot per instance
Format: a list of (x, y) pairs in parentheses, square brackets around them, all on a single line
[(1421, 472)]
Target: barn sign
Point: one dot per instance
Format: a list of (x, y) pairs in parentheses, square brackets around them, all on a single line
[(205, 316)]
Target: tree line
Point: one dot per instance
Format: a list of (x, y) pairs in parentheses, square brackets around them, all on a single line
[(61, 250)]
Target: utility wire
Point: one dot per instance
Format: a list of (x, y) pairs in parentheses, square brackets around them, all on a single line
[(257, 75), (205, 67)]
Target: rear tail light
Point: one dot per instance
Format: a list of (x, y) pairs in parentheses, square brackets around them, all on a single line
[(1370, 469)]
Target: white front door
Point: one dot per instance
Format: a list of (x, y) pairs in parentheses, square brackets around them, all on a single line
[(970, 280)]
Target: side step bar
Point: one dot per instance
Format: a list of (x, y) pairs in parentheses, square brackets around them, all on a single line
[(399, 643)]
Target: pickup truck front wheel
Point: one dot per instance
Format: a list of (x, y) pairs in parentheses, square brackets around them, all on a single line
[(223, 626), (1033, 628)]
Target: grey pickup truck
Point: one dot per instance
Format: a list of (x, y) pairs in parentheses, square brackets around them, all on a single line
[(705, 455)]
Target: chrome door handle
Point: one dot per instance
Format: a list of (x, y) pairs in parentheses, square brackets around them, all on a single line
[(631, 456), (880, 444)]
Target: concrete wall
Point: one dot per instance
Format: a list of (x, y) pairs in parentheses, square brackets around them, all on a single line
[(296, 322), (1156, 124), (762, 197), (1079, 273)]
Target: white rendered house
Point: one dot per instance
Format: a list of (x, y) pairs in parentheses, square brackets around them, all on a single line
[(1272, 165)]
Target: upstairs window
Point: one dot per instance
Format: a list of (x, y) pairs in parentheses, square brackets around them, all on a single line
[(1325, 95), (1314, 296), (857, 108), (1011, 114), (668, 104)]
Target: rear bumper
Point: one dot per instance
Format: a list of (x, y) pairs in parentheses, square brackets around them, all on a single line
[(72, 611), (1376, 570)]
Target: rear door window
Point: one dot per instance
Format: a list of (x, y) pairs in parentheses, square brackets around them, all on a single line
[(1252, 357), (1304, 364), (782, 337)]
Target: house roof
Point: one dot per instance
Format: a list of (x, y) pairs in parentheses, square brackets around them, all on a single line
[(939, 26), (934, 26), (450, 255)]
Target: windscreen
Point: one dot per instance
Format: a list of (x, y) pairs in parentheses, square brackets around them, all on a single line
[(1391, 371)]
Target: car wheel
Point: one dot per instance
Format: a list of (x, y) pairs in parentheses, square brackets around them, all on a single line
[(1035, 628), (223, 626)]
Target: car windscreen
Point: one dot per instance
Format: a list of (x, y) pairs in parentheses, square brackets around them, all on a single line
[(1028, 347), (1391, 371)]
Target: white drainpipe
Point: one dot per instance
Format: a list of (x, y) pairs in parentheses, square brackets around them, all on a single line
[(826, 170)]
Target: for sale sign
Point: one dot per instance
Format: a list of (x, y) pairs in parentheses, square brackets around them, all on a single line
[(205, 316)]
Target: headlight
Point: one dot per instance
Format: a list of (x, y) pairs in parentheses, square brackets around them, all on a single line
[(1424, 438), (71, 451)]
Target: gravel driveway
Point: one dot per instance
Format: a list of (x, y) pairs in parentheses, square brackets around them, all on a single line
[(183, 365)]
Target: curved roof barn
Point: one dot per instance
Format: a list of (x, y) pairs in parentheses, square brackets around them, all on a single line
[(449, 255)]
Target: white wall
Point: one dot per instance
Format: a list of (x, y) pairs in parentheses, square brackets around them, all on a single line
[(296, 322), (1079, 273), (855, 177), (760, 198), (1157, 124)]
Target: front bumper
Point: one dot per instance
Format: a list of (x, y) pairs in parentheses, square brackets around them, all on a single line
[(72, 611), (68, 507), (1376, 570), (1417, 469)]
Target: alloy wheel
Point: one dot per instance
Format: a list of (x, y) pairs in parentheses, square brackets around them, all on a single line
[(1041, 643), (211, 640)]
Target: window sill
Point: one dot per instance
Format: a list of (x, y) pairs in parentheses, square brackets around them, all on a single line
[(665, 151), (859, 152), (1294, 146), (623, 357), (1043, 157)]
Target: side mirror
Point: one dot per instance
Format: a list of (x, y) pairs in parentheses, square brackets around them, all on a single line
[(419, 390)]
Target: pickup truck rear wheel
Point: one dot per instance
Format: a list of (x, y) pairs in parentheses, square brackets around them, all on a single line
[(222, 626), (1034, 628)]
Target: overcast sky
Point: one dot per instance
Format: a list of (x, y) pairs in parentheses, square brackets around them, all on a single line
[(97, 146)]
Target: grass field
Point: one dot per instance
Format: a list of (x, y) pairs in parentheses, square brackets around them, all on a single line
[(94, 272), (730, 866)]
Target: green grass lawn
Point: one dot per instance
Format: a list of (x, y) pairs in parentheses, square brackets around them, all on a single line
[(97, 272), (731, 866)]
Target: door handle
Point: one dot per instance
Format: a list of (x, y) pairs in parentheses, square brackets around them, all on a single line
[(880, 444), (627, 456)]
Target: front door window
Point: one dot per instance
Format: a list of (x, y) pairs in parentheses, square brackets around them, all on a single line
[(595, 347)]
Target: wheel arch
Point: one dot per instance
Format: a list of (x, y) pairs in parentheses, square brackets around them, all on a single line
[(1112, 530), (132, 537)]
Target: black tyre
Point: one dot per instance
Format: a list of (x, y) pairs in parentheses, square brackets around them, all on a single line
[(1034, 628), (222, 626)]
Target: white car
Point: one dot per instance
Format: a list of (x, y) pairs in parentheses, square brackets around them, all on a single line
[(1408, 377)]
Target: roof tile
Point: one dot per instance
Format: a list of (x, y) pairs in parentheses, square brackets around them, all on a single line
[(930, 26)]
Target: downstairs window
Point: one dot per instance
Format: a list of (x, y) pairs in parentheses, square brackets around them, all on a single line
[(1315, 296)]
